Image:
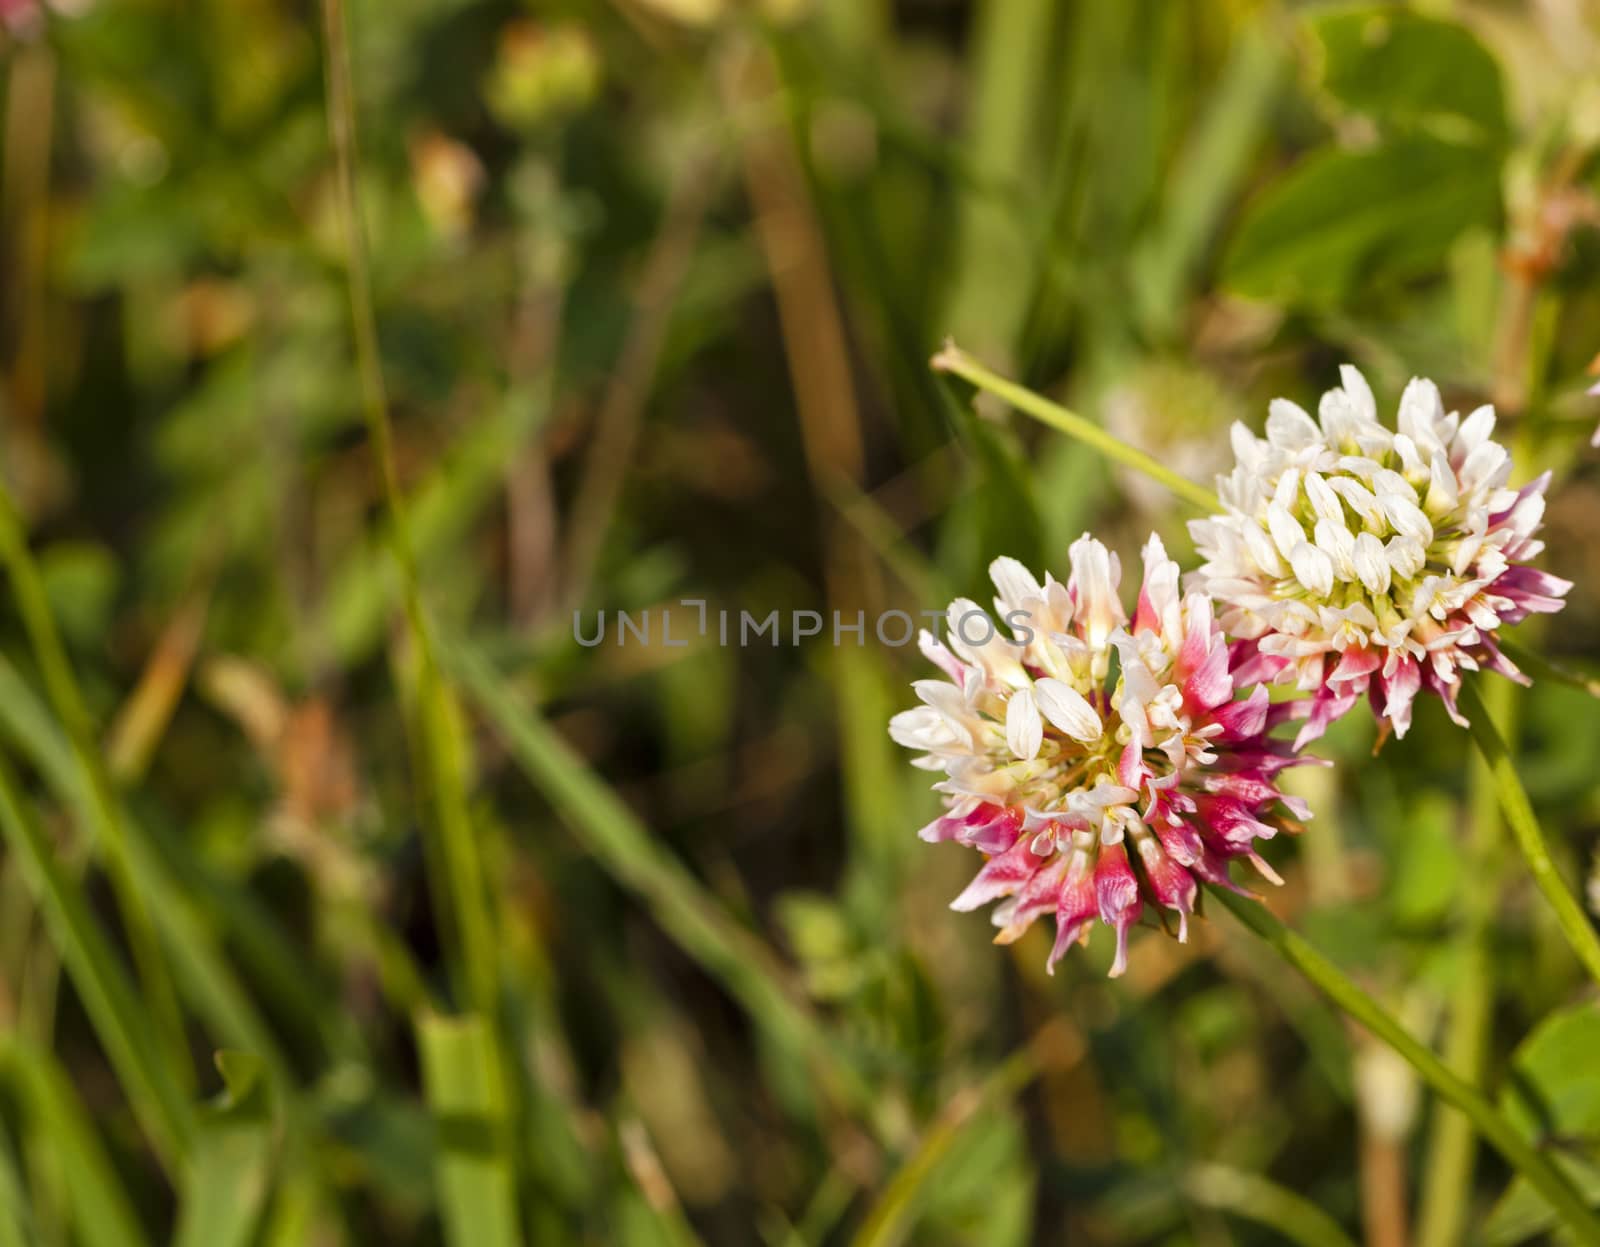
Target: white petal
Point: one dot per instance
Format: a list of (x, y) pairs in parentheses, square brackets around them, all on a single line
[(1015, 582), (1095, 574), (1388, 481), (1420, 411), (1407, 517), (1410, 456), (1361, 499), (1442, 492), (1161, 585), (1067, 710), (1323, 500), (1336, 541), (1285, 529), (1406, 555), (1355, 385), (1289, 427), (1261, 550), (1476, 429), (921, 728), (1312, 567), (1371, 564), (1024, 728), (1488, 465), (1249, 451)]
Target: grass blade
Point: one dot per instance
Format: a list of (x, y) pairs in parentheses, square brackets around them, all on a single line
[(16, 1227), (100, 1208), (112, 836), (108, 996), (210, 982), (1258, 1199), (226, 1189), (466, 896), (893, 1215), (609, 829), (461, 1078)]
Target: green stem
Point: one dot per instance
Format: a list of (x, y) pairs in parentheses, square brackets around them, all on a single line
[(1258, 1199), (1514, 803), (1332, 982), (107, 827), (1542, 668), (893, 1215), (953, 359), (437, 714), (1452, 1146)]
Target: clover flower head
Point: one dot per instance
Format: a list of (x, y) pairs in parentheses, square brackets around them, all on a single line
[(1353, 558), (1098, 762)]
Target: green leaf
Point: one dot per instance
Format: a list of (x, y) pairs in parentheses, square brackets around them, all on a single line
[(1553, 1096), (1341, 216), (461, 1077), (225, 1192), (1408, 71)]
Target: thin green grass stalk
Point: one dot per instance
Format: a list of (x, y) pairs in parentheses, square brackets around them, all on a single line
[(95, 1200), (468, 897), (1518, 810), (209, 983), (952, 359), (624, 847), (1495, 1128), (461, 1077), (16, 1224), (1009, 76), (893, 1215), (1258, 1199), (109, 999), (106, 826), (1452, 1145)]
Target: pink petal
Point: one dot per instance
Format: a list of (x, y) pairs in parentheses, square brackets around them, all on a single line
[(995, 834), (1117, 894), (1355, 667), (1210, 684), (1243, 719), (1399, 690), (1075, 906), (1327, 706), (1039, 895), (1001, 875)]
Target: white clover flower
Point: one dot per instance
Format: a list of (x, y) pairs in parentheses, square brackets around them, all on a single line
[(1352, 558), (1056, 769)]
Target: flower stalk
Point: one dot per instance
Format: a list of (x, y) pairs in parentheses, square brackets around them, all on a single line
[(436, 708), (952, 359), (1491, 1124), (1518, 810)]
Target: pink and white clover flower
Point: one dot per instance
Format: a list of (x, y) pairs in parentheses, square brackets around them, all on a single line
[(1098, 762), (1352, 558)]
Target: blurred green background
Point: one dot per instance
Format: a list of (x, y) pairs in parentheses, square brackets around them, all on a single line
[(503, 938)]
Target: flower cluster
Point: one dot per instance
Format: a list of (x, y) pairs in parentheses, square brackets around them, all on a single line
[(1350, 558), (1091, 792), (1100, 763)]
